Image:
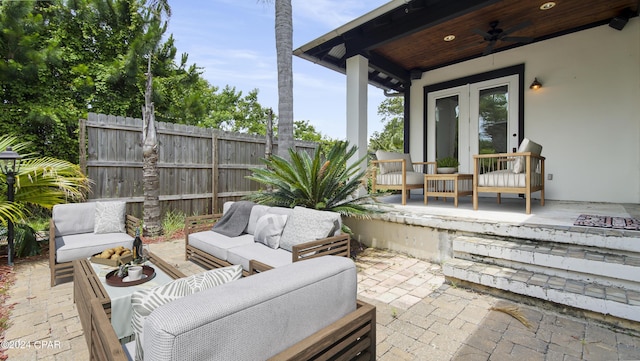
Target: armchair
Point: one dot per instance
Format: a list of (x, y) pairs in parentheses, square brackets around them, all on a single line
[(396, 171), (519, 173)]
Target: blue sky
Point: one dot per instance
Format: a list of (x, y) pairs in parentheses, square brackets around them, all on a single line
[(233, 41)]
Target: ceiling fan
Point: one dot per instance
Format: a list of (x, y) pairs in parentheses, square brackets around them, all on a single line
[(495, 33)]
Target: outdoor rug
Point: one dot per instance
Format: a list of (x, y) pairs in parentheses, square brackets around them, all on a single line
[(587, 220)]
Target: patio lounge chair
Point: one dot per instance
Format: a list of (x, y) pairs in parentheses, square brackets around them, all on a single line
[(396, 171), (519, 173)]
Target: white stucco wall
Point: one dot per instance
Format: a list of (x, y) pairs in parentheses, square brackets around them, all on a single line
[(586, 115)]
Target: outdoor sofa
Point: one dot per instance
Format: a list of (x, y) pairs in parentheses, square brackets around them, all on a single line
[(301, 311), (273, 237), (80, 230)]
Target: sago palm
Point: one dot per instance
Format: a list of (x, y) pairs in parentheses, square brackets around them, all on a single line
[(324, 182), (42, 182)]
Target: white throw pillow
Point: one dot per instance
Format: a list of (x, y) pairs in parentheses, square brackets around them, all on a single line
[(307, 225), (526, 146), (110, 217), (144, 302), (269, 229)]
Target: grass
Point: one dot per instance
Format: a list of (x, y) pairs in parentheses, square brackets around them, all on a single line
[(173, 222)]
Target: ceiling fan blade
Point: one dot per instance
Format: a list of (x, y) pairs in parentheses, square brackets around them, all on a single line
[(518, 39), (520, 26), (484, 34), (489, 48)]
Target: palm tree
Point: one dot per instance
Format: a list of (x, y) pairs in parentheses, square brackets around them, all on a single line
[(151, 178), (324, 182), (284, 54), (41, 182)]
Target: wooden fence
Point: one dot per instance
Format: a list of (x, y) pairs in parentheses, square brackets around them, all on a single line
[(199, 168)]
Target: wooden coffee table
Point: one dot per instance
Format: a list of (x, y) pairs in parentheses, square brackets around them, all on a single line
[(88, 286), (448, 185)]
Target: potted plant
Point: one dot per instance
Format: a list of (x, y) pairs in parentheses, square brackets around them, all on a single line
[(447, 165)]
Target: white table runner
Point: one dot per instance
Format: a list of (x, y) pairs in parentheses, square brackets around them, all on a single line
[(121, 309)]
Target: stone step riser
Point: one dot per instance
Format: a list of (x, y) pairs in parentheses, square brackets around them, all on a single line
[(556, 275), (623, 307), (594, 264)]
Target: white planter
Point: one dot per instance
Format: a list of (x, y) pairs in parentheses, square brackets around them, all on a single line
[(447, 170)]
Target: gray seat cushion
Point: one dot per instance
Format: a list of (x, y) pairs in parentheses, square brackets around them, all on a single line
[(255, 317), (84, 245), (74, 218), (273, 257), (217, 244)]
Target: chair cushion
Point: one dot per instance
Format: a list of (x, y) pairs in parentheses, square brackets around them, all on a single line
[(110, 217), (73, 218), (84, 245), (269, 229), (258, 251), (309, 225), (396, 178), (526, 146), (217, 244), (144, 302), (506, 178), (394, 166)]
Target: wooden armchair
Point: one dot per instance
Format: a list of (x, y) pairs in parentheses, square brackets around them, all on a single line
[(518, 173), (396, 171)]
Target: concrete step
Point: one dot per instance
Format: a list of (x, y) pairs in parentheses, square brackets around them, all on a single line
[(607, 300), (606, 267)]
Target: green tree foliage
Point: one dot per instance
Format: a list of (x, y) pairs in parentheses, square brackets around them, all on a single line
[(392, 136), (60, 59)]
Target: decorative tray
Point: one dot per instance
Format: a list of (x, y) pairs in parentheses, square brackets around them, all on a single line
[(148, 273)]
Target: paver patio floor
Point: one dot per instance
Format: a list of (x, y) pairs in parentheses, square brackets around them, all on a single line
[(419, 317)]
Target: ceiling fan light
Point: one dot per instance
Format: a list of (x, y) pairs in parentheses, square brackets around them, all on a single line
[(548, 5)]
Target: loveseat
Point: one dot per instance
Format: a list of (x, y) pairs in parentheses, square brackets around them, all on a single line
[(273, 237), (301, 311), (80, 230)]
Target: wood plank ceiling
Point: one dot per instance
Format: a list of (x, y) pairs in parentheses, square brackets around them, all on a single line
[(411, 37)]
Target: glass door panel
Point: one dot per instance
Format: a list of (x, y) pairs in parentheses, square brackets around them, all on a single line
[(492, 120), (447, 112)]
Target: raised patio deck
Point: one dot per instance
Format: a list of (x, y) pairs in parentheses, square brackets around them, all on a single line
[(541, 256)]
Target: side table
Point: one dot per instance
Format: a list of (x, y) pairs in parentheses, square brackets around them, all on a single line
[(448, 185)]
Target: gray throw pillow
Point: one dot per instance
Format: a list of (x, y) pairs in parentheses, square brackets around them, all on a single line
[(307, 225), (144, 302), (110, 217), (269, 229)]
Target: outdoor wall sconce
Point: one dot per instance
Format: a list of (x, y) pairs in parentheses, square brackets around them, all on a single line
[(535, 85), (10, 164)]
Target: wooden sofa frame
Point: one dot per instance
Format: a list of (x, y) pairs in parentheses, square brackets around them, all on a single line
[(335, 246), (353, 337), (404, 187), (491, 162), (65, 269)]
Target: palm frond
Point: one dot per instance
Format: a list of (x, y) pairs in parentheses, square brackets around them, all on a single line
[(324, 181)]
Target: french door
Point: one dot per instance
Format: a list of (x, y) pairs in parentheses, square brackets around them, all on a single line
[(475, 118)]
